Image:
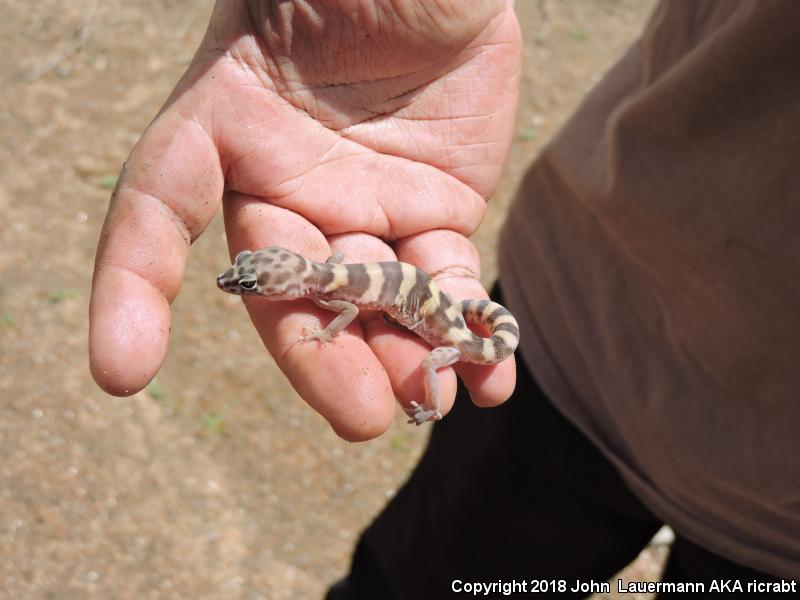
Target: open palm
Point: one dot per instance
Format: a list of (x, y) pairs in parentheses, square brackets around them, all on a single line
[(374, 128)]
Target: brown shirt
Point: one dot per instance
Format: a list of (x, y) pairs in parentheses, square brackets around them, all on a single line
[(653, 260)]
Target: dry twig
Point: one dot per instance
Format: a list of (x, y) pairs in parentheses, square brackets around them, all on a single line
[(79, 40)]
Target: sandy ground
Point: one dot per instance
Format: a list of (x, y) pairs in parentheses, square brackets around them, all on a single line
[(217, 481)]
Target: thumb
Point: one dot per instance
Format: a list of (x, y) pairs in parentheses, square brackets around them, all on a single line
[(166, 195)]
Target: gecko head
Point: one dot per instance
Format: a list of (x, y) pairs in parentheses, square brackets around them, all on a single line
[(273, 272)]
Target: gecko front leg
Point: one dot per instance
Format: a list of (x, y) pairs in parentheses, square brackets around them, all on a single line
[(347, 312), (438, 358)]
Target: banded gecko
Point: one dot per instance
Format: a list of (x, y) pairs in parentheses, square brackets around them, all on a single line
[(407, 296)]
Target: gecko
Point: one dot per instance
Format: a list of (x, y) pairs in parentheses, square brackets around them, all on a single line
[(408, 297)]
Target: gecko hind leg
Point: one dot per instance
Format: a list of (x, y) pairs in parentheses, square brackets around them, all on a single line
[(438, 358)]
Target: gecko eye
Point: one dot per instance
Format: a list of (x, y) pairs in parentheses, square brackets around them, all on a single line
[(247, 283)]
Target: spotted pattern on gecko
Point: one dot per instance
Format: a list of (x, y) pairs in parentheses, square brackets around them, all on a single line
[(407, 295)]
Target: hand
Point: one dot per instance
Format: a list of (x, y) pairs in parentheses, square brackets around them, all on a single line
[(376, 128)]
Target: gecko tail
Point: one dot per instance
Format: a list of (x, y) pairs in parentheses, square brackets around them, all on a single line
[(498, 320)]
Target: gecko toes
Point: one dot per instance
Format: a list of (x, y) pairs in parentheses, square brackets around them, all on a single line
[(420, 415), (321, 336)]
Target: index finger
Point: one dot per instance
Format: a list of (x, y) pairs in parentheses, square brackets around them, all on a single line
[(166, 195)]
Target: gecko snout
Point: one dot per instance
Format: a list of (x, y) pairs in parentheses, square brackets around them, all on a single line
[(222, 279)]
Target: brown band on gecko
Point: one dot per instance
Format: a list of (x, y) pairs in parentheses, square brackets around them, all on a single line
[(392, 277), (358, 279), (326, 278), (509, 327), (421, 291)]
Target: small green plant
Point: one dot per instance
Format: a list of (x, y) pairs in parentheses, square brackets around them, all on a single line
[(108, 182), (579, 35), (154, 389), (528, 133), (61, 294), (399, 441), (215, 423), (8, 320)]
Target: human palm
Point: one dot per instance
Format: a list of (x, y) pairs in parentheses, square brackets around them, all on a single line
[(376, 129)]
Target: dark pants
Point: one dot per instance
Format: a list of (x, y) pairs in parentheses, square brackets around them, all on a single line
[(513, 492)]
